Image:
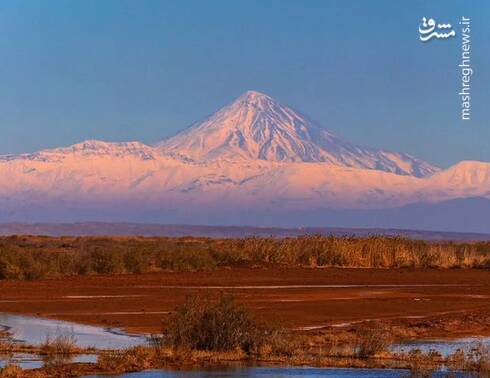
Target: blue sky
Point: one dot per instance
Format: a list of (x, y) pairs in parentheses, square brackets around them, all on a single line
[(143, 70)]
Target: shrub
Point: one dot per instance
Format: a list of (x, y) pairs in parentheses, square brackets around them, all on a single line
[(279, 342), (186, 260), (59, 350), (478, 358), (132, 359), (8, 270), (105, 261), (137, 262), (201, 324), (61, 344), (371, 341), (11, 371), (423, 365)]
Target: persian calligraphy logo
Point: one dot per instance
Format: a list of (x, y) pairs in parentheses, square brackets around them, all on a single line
[(428, 29)]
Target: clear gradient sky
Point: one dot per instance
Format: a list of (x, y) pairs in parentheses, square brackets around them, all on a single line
[(143, 70)]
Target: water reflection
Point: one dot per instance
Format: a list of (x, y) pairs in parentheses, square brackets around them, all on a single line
[(280, 373), (34, 330)]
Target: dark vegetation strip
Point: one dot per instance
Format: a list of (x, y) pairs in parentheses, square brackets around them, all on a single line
[(35, 257)]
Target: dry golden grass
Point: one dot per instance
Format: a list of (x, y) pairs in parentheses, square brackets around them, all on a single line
[(132, 359), (147, 357), (12, 371), (477, 359), (62, 344), (29, 257), (372, 341)]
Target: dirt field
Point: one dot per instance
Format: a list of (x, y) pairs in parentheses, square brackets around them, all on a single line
[(456, 302)]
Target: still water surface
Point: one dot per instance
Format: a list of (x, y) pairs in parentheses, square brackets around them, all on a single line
[(278, 373), (33, 361), (444, 347), (35, 330)]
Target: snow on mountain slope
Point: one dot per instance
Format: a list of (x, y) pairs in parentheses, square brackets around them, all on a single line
[(137, 174), (253, 155), (167, 181), (465, 179), (88, 148), (255, 126)]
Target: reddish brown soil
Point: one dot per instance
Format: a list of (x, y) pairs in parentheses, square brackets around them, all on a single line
[(138, 302)]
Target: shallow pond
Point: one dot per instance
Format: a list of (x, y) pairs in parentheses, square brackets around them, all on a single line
[(444, 347), (277, 373), (34, 331), (33, 361)]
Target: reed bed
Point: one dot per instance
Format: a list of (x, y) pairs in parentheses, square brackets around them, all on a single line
[(34, 257)]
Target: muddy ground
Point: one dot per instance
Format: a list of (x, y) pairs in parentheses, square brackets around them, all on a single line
[(438, 303)]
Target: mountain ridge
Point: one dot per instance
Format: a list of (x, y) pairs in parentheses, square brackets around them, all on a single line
[(165, 181), (183, 230), (255, 126)]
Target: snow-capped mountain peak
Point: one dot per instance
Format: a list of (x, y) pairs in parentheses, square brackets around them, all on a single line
[(255, 126), (253, 156), (255, 98)]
